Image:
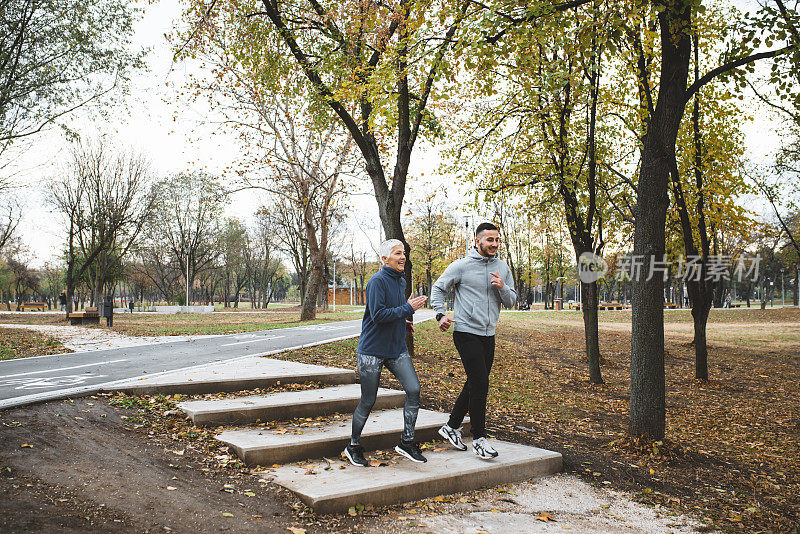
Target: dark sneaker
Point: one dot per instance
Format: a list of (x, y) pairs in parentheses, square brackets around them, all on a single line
[(482, 448), (410, 451), (453, 435), (355, 453)]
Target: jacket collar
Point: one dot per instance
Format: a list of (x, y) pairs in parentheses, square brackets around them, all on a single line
[(391, 272)]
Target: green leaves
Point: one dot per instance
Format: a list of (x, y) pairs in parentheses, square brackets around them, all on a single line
[(58, 55)]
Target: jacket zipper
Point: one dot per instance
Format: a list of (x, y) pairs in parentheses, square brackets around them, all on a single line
[(488, 297)]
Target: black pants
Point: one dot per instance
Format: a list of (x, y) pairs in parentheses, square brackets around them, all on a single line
[(477, 355)]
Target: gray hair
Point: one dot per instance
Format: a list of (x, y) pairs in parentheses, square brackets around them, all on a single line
[(387, 246)]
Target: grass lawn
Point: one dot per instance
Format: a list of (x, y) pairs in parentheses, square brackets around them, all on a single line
[(732, 453), (19, 343), (160, 324)]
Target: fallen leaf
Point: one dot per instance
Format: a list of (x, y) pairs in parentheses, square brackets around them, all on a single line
[(171, 488), (24, 445), (352, 511), (227, 514), (249, 493), (544, 516), (295, 530)]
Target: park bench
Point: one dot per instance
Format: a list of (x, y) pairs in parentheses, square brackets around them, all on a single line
[(36, 306), (89, 315), (609, 306)]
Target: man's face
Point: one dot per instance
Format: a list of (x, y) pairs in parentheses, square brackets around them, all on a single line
[(488, 242), (397, 259)]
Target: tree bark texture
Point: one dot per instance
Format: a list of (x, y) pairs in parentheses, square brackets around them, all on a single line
[(648, 404), (589, 302)]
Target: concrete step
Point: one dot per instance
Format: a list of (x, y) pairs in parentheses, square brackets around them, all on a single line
[(285, 405), (450, 471), (383, 430), (235, 375)]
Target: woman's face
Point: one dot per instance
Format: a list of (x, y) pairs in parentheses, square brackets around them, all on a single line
[(397, 259)]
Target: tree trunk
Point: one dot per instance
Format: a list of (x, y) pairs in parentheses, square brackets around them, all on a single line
[(70, 269), (700, 317), (315, 281), (648, 403), (589, 303)]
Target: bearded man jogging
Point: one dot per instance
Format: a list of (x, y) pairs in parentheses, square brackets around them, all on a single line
[(383, 343), (481, 282)]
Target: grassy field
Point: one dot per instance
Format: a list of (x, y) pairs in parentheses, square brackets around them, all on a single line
[(773, 329), (159, 324), (17, 343), (732, 453)]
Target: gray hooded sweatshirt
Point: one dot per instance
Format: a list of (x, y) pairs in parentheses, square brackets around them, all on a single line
[(477, 302)]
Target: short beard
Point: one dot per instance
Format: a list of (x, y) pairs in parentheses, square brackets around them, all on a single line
[(484, 252)]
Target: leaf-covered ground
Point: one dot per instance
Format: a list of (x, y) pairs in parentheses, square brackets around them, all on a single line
[(16, 343), (732, 457)]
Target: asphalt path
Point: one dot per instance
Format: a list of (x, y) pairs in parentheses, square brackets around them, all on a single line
[(41, 378)]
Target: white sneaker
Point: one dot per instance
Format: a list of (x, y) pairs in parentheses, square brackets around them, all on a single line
[(482, 448), (453, 435)]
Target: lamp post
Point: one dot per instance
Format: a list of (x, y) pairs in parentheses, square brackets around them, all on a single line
[(333, 258), (783, 289), (187, 281)]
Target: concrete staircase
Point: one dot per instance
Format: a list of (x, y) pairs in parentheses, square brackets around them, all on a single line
[(286, 405), (331, 485), (234, 375), (383, 430)]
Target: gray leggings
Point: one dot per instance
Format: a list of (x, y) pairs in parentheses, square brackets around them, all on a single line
[(369, 369)]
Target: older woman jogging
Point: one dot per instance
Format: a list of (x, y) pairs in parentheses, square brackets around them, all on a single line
[(383, 344)]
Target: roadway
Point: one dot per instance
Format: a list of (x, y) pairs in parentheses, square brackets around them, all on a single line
[(42, 378)]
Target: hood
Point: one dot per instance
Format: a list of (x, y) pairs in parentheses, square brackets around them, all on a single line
[(475, 255)]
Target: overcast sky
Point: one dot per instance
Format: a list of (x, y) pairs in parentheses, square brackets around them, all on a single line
[(170, 131)]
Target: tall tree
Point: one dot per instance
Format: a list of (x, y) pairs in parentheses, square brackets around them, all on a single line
[(672, 21), (59, 55), (538, 126), (187, 223), (433, 234), (293, 147), (376, 65), (107, 197)]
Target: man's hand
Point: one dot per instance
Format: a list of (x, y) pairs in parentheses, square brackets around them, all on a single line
[(410, 325), (417, 302), (444, 323), (497, 281)]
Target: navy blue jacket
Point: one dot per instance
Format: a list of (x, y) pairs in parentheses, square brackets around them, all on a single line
[(383, 330)]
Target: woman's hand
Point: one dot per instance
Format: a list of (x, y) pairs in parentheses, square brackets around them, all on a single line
[(417, 302)]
